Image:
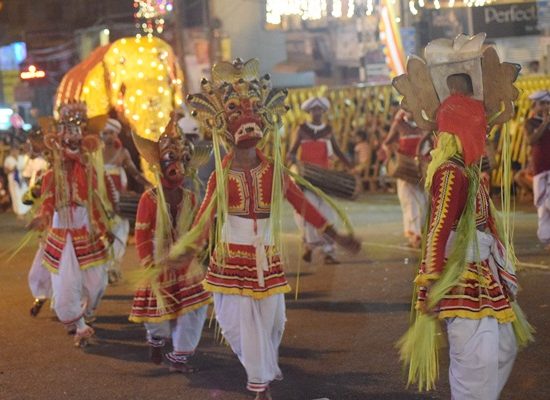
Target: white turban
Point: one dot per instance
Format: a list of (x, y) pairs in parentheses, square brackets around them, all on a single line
[(540, 95), (189, 126), (316, 102), (113, 125)]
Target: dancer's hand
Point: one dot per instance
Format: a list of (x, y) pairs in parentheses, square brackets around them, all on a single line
[(110, 237), (422, 305), (39, 223)]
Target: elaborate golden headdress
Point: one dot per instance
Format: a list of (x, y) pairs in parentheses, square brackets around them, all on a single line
[(237, 79)]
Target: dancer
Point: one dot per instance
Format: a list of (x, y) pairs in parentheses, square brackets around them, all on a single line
[(245, 195), (118, 163), (467, 277), (75, 212), (316, 145), (173, 304), (538, 134)]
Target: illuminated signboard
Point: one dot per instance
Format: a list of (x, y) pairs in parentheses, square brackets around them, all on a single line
[(32, 73)]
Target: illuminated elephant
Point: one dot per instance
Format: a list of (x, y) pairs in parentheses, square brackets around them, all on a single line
[(138, 77)]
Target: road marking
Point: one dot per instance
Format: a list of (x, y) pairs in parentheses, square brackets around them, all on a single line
[(391, 246), (536, 266), (405, 248)]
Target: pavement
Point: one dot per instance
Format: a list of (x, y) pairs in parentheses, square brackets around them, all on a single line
[(339, 341)]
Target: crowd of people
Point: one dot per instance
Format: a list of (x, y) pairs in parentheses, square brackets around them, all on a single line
[(230, 221)]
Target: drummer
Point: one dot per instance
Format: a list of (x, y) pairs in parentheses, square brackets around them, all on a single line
[(412, 197), (315, 144)]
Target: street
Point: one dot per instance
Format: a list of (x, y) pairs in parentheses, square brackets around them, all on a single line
[(339, 341)]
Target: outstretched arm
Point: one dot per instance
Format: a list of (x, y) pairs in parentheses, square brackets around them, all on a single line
[(291, 155), (339, 153), (301, 204)]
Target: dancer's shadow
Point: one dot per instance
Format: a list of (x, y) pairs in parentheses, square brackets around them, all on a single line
[(299, 385), (306, 295), (349, 306), (304, 353), (118, 297)]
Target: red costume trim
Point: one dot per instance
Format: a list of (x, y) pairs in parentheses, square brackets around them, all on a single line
[(183, 290)]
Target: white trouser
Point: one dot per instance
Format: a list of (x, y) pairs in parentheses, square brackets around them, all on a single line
[(121, 232), (482, 353), (76, 292), (413, 205), (541, 196), (312, 237), (185, 330), (40, 281), (254, 330)]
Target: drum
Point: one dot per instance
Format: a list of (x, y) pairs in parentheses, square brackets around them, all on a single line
[(335, 183), (128, 205), (404, 167)]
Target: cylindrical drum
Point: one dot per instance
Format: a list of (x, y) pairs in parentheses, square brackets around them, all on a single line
[(335, 183)]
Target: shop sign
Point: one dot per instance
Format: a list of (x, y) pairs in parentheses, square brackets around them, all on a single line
[(506, 20)]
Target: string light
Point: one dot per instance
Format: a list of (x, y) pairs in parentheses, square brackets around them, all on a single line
[(311, 10), (149, 14)]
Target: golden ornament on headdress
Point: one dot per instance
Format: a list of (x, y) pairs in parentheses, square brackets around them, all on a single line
[(233, 72)]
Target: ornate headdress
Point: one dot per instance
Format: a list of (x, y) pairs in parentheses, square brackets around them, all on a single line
[(424, 86), (73, 115), (171, 141), (238, 103)]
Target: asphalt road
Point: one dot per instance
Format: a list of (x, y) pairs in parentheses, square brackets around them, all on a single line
[(338, 344)]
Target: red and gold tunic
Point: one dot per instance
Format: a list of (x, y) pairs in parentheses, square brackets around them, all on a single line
[(249, 206), (183, 289), (84, 222), (478, 294)]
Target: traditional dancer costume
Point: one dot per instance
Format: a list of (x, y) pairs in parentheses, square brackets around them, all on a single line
[(410, 191), (538, 132), (467, 277), (315, 144), (245, 195), (75, 209), (173, 303), (118, 161)]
